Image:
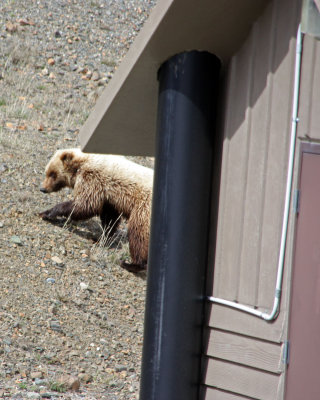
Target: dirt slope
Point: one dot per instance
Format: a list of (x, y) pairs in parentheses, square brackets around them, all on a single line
[(66, 307)]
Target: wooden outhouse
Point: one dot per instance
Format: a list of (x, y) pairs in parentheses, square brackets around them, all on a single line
[(259, 304)]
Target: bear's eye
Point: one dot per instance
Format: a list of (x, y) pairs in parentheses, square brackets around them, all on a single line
[(52, 175)]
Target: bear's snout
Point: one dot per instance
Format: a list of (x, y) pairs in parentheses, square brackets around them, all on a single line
[(43, 190)]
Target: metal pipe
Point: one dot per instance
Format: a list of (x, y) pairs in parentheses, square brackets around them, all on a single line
[(295, 103), (179, 239)]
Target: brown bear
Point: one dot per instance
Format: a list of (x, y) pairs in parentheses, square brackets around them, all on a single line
[(108, 186)]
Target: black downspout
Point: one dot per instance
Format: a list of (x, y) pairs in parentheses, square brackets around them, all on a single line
[(179, 229)]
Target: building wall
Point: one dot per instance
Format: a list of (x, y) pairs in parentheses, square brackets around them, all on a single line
[(244, 355), (309, 105)]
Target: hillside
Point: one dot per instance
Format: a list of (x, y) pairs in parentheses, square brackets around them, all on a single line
[(68, 313)]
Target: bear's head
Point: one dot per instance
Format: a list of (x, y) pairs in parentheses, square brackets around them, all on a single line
[(61, 170)]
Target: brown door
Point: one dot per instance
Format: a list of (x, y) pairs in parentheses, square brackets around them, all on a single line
[(303, 378)]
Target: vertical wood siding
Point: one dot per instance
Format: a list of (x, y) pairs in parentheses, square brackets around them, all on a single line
[(309, 106), (244, 354), (255, 153)]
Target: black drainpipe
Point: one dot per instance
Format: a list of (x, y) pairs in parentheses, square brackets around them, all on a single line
[(180, 225)]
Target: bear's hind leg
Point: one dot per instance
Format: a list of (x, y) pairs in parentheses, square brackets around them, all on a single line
[(131, 267), (138, 236)]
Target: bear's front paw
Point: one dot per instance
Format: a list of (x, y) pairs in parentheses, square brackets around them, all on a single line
[(46, 215)]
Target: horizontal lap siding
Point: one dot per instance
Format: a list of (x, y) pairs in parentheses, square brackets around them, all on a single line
[(232, 320), (244, 353), (241, 380), (210, 393), (244, 350), (241, 365)]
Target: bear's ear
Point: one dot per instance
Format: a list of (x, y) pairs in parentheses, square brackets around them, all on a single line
[(66, 156)]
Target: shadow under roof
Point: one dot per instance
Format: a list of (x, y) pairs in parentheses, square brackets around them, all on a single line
[(123, 120)]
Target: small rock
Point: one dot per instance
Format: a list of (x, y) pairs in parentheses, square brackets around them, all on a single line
[(50, 356), (51, 280), (94, 257), (86, 378), (92, 96), (55, 326), (40, 382), (11, 27), (7, 341), (51, 61), (36, 375), (88, 75), (57, 261), (103, 81), (62, 250), (33, 395), (74, 353), (70, 382), (17, 325), (82, 71), (95, 76), (53, 309), (3, 167), (45, 72), (40, 127), (48, 395), (120, 368), (16, 240), (23, 373), (24, 22), (16, 396), (57, 34), (83, 286)]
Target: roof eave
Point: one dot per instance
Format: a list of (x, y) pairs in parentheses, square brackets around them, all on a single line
[(123, 120)]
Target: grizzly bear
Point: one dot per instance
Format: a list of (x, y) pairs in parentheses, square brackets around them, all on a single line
[(108, 186)]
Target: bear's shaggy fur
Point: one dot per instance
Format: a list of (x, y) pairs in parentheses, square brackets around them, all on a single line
[(108, 186)]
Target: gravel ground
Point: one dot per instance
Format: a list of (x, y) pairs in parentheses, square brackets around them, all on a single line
[(69, 315)]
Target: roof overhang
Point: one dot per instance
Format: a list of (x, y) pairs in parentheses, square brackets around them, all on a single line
[(123, 120)]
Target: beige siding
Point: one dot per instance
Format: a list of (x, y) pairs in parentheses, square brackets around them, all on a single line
[(209, 393), (245, 381), (244, 350), (309, 107), (232, 320), (244, 353), (255, 155)]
